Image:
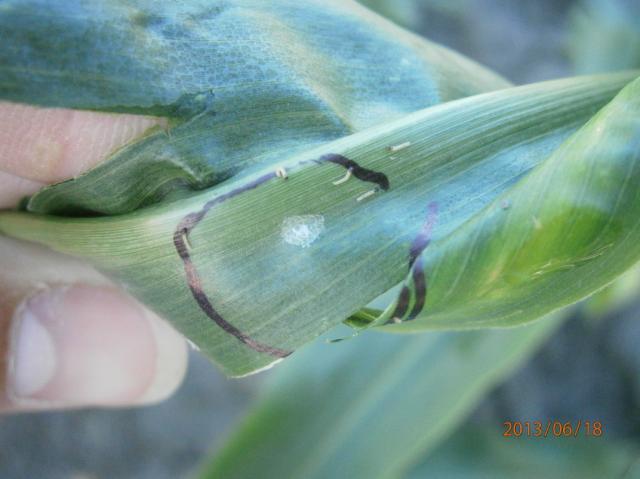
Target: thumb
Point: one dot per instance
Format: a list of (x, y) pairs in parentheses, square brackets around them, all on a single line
[(69, 337)]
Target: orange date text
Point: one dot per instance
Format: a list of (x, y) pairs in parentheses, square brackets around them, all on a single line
[(553, 428)]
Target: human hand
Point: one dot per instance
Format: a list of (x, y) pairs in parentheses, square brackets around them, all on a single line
[(68, 336)]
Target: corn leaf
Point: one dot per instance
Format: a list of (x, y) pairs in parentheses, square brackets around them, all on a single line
[(564, 231), (604, 35), (256, 265), (475, 453), (370, 407), (243, 83), (260, 265)]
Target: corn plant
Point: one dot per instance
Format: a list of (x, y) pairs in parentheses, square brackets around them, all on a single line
[(321, 165)]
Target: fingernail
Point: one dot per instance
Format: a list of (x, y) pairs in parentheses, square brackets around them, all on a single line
[(82, 346), (34, 357)]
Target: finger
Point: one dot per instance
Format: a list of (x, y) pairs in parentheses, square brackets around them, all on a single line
[(78, 345), (70, 339), (49, 145)]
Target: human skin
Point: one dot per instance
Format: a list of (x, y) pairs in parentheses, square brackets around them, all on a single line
[(68, 336)]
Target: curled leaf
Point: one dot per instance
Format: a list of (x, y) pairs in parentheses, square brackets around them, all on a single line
[(221, 267), (564, 231)]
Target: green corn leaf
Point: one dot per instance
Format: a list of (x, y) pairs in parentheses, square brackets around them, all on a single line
[(260, 265), (256, 265), (411, 13), (402, 12), (474, 453), (566, 230), (242, 83), (372, 406), (604, 35)]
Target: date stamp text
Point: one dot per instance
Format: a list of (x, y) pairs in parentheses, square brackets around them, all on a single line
[(551, 428)]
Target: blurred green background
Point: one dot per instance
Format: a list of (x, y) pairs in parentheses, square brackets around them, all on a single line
[(588, 370)]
